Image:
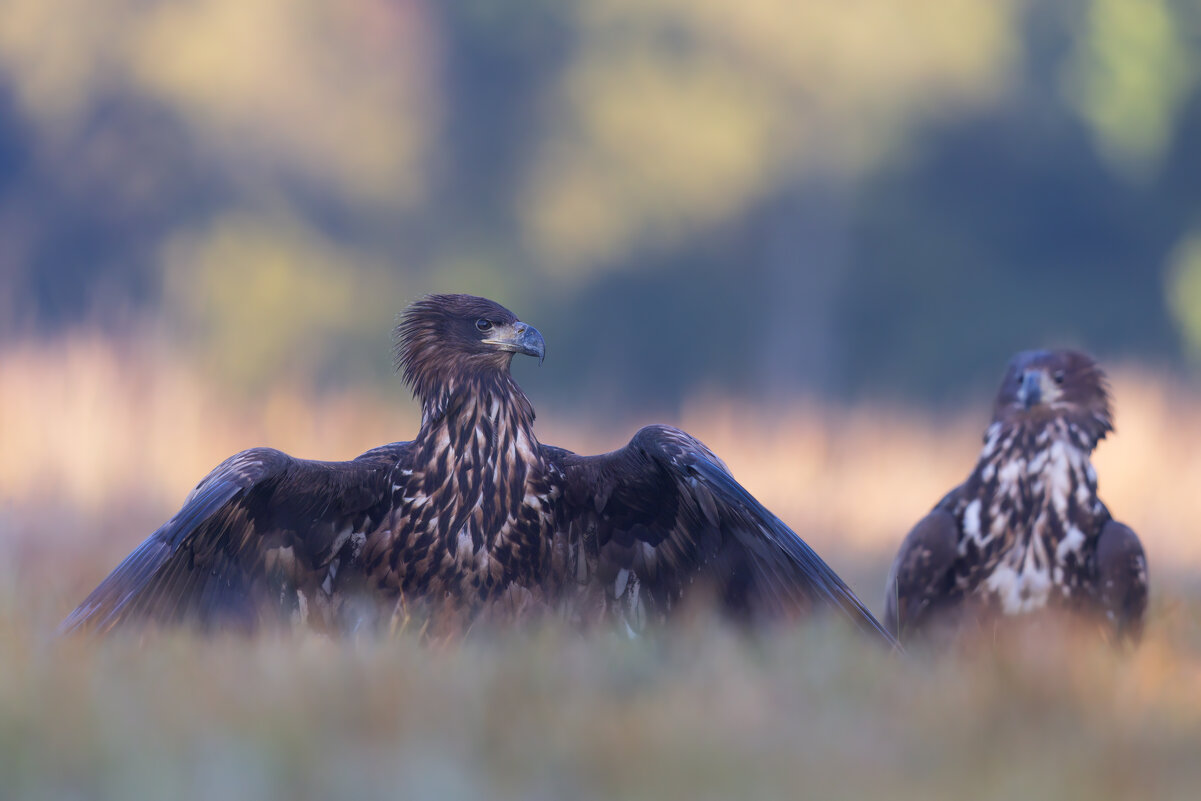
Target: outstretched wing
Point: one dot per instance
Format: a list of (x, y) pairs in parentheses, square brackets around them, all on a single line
[(920, 578), (664, 514), (256, 530)]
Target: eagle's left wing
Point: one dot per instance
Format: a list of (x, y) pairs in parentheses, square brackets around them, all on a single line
[(1122, 579), (664, 514), (920, 579)]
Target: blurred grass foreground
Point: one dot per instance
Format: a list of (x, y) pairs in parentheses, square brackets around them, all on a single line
[(101, 442)]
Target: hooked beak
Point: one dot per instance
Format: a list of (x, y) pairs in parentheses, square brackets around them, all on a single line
[(520, 338), (1030, 393)]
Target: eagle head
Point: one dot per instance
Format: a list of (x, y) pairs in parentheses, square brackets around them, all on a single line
[(1045, 385), (441, 337)]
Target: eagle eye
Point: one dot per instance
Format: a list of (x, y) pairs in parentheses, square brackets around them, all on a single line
[(1059, 376), (483, 325)]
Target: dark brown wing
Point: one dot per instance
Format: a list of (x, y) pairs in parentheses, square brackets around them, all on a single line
[(663, 513), (920, 578), (254, 529), (1122, 579)]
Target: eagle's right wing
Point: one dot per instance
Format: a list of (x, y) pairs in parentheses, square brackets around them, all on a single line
[(259, 527)]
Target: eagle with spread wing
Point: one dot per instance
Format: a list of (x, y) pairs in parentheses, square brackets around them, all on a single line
[(473, 518), (1027, 531)]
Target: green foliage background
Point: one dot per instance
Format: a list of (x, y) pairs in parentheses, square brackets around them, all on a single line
[(767, 198)]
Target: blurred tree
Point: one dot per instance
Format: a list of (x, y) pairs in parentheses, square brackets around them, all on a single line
[(332, 94), (1015, 232), (1131, 69), (765, 197), (1184, 290), (675, 115), (678, 115), (146, 119), (266, 298)]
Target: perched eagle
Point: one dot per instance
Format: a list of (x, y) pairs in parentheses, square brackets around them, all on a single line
[(1027, 531), (473, 518)]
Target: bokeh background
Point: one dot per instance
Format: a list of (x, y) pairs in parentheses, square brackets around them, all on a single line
[(811, 233), (766, 199)]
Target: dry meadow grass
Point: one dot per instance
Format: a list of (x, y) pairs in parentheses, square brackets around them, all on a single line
[(98, 444)]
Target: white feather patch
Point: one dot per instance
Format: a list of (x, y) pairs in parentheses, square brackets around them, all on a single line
[(1071, 543), (971, 520), (1018, 592), (619, 586)]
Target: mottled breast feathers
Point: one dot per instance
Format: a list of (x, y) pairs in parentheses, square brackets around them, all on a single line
[(1027, 530), (474, 518)]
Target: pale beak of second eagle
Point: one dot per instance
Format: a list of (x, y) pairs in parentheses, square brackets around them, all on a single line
[(1038, 387), (1031, 390)]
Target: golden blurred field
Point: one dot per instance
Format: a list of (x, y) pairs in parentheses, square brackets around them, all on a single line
[(101, 442)]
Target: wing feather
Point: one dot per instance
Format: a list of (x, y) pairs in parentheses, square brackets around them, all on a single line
[(666, 508), (920, 578), (207, 564), (1122, 579)]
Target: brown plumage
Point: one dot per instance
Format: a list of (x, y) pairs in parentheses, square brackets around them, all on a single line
[(474, 517), (1026, 531)]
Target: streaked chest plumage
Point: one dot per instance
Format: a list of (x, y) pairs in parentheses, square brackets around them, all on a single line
[(472, 514), (1028, 517)]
